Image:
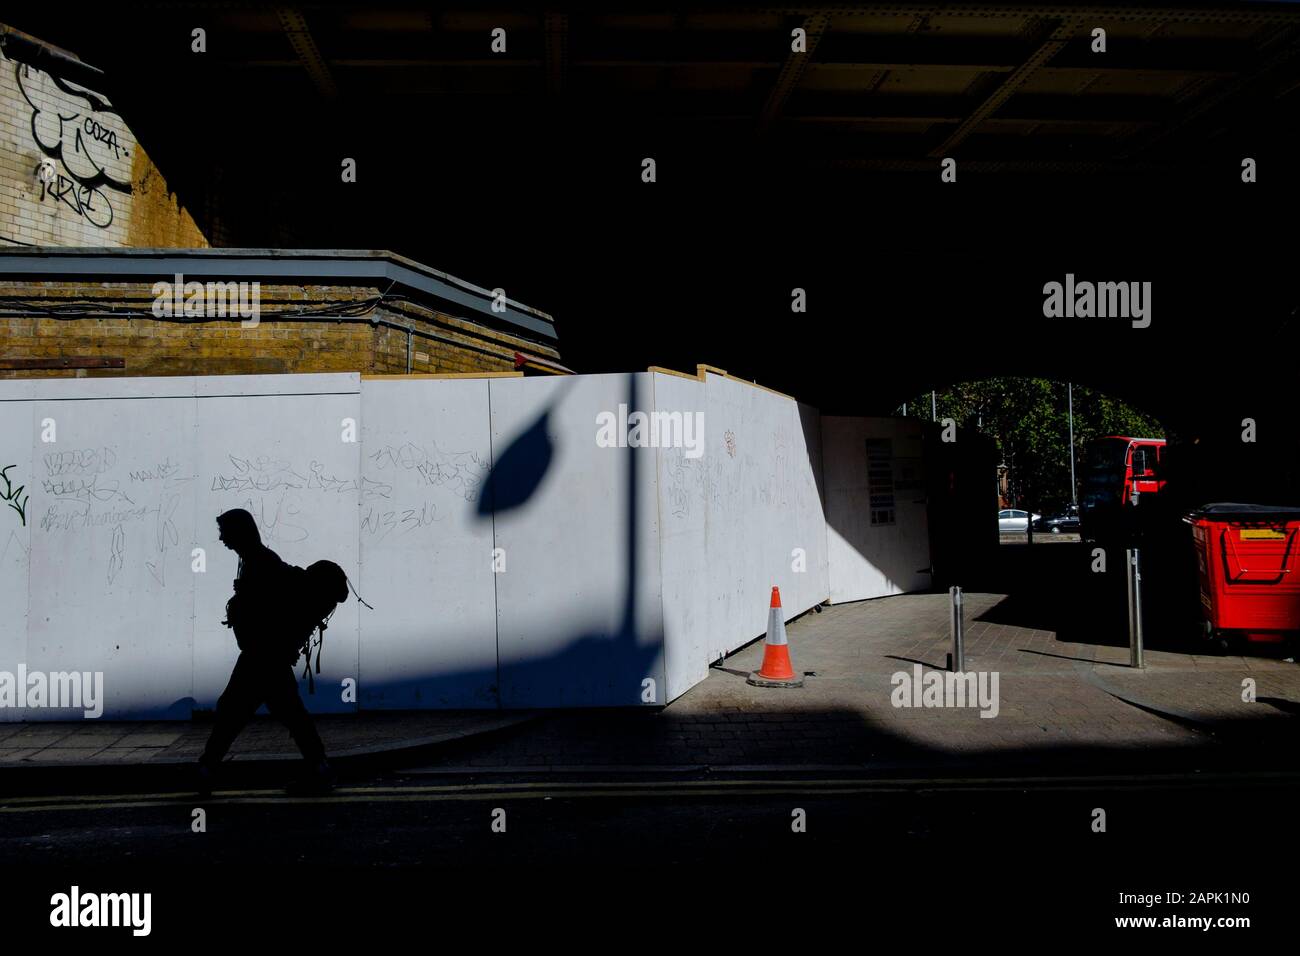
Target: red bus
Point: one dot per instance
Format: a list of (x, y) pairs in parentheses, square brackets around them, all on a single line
[(1113, 467)]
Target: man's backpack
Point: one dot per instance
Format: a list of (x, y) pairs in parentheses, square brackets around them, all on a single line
[(315, 592)]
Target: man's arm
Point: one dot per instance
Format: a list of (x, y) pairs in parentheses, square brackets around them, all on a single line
[(262, 595)]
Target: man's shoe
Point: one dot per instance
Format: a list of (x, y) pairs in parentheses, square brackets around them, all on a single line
[(317, 781)]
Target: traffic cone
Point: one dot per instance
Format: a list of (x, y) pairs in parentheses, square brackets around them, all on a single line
[(777, 670)]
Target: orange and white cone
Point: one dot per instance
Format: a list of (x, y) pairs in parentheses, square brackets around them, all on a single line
[(777, 671)]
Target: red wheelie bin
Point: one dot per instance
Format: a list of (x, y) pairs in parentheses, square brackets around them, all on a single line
[(1246, 560)]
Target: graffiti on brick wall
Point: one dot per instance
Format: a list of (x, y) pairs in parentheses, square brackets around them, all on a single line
[(91, 204), (84, 140)]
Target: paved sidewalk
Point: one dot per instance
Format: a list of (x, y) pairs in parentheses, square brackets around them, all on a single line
[(1059, 701), (122, 743)]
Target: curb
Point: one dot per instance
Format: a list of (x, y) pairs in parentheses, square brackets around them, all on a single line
[(23, 775)]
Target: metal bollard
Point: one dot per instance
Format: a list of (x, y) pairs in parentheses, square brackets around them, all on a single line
[(957, 623), (1134, 573)]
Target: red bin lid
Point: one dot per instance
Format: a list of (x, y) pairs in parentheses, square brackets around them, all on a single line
[(1237, 511)]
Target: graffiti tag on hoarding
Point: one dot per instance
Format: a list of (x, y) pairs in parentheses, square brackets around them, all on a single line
[(12, 496)]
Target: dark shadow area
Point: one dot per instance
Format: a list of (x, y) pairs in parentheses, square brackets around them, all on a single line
[(1054, 589), (933, 665), (516, 475), (519, 469), (777, 737), (1033, 858), (1058, 589), (1286, 706), (1066, 657), (730, 670)]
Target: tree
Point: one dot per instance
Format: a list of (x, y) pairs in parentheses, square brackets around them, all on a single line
[(1029, 420)]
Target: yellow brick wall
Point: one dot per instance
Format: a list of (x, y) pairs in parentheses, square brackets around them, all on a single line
[(158, 221), (101, 190), (151, 346)]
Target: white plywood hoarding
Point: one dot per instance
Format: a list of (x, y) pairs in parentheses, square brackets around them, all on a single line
[(513, 556), (876, 521), (111, 590), (16, 430), (683, 513), (579, 612), (763, 503), (426, 546)]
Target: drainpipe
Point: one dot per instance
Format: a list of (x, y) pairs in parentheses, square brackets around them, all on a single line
[(44, 56), (401, 328)]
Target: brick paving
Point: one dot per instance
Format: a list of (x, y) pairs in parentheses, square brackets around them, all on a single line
[(160, 743), (1057, 699)]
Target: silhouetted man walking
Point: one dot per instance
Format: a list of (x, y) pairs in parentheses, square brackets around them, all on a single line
[(264, 672)]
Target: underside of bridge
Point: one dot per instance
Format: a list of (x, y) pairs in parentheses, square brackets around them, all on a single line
[(516, 160)]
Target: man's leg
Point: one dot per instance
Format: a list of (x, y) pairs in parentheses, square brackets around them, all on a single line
[(285, 704), (237, 704)]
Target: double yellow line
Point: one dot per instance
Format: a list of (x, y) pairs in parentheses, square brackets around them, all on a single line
[(575, 790)]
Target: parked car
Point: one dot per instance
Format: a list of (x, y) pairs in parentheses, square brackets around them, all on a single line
[(1067, 520), (1013, 519)]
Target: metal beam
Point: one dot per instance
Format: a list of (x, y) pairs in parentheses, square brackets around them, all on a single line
[(792, 70), (1047, 107), (295, 29), (1288, 50), (24, 48), (498, 62), (1050, 69), (923, 51), (1053, 36), (914, 49), (919, 23), (1259, 13), (877, 120), (930, 167), (911, 67), (556, 29), (1101, 122)]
